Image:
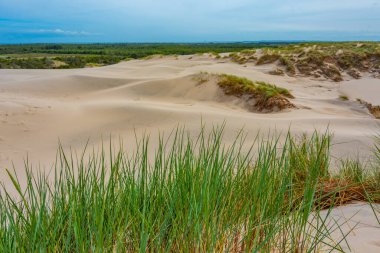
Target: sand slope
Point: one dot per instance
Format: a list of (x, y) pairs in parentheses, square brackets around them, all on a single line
[(39, 106), (359, 227)]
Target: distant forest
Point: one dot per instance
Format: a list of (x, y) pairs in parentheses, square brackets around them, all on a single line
[(36, 56)]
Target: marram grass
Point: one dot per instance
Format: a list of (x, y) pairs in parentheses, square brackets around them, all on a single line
[(194, 195)]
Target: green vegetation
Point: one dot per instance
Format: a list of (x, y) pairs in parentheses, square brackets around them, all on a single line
[(327, 60), (289, 65), (243, 57), (196, 195), (257, 96), (317, 63), (82, 55), (330, 60), (131, 50), (248, 52), (56, 62), (268, 58), (277, 72), (313, 59), (240, 86), (343, 97), (268, 97), (201, 77)]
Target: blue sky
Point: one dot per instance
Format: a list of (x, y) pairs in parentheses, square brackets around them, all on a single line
[(31, 21)]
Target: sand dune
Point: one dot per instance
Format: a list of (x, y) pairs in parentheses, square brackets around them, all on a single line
[(40, 107)]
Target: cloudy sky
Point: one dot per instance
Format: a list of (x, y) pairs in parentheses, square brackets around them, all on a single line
[(24, 21)]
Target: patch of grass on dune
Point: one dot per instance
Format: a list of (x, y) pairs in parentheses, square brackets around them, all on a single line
[(248, 52), (267, 59), (277, 72), (289, 65), (201, 77), (243, 57), (241, 85), (327, 60), (268, 97), (195, 195), (271, 90)]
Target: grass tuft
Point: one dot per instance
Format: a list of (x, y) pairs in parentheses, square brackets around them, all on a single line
[(267, 97), (241, 85), (195, 194), (267, 59), (201, 77)]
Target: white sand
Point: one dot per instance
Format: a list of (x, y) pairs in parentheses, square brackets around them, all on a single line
[(367, 89), (39, 107), (360, 228)]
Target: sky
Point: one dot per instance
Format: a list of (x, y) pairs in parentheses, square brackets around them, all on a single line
[(70, 21)]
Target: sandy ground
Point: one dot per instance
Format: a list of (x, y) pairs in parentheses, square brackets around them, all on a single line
[(367, 89), (40, 107), (359, 227)]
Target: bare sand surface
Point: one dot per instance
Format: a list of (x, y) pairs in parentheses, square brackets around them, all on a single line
[(40, 107), (359, 227), (367, 89)]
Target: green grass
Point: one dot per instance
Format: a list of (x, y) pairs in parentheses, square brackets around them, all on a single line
[(271, 90), (244, 56), (47, 62), (241, 85), (289, 65), (328, 59), (28, 56), (344, 97), (195, 194), (268, 58), (277, 72), (332, 59), (267, 96), (248, 52)]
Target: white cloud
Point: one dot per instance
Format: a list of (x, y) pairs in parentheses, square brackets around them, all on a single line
[(61, 32)]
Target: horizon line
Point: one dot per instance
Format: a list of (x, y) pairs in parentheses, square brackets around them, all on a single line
[(192, 42)]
